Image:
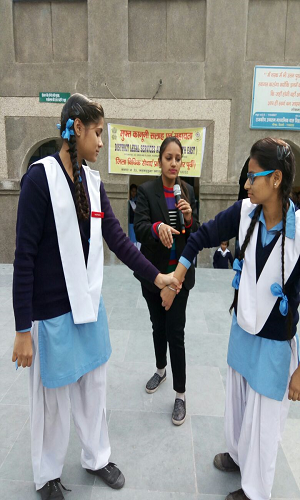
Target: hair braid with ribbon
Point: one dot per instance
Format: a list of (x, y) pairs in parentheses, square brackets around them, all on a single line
[(243, 250), (285, 189), (81, 202), (78, 106)]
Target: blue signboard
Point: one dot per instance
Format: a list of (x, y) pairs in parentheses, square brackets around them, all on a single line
[(276, 98)]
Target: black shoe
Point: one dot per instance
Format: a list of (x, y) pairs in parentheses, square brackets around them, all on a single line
[(52, 491), (179, 412), (237, 495), (154, 382), (223, 461), (111, 475)]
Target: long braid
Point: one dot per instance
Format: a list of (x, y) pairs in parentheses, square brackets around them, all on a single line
[(244, 246), (81, 202), (285, 200), (285, 204)]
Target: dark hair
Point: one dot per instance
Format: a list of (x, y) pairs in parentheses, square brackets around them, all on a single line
[(227, 243), (178, 180), (79, 106), (132, 186), (272, 154)]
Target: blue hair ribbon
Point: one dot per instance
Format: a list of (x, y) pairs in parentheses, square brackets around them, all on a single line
[(78, 172), (237, 266), (58, 125), (276, 290), (68, 130)]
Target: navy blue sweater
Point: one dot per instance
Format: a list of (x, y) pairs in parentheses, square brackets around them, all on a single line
[(226, 226), (39, 288)]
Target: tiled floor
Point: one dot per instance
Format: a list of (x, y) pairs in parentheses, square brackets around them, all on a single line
[(160, 461)]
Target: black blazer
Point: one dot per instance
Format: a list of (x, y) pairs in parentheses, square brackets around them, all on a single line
[(151, 207)]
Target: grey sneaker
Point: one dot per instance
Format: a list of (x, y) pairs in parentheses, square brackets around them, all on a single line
[(179, 412), (223, 461), (111, 475), (237, 495), (154, 382)]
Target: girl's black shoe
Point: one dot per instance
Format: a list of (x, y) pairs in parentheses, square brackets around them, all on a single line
[(52, 491), (111, 475)]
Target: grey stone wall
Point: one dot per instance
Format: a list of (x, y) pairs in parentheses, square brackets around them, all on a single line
[(204, 51)]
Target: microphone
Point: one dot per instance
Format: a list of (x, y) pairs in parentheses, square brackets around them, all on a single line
[(177, 194)]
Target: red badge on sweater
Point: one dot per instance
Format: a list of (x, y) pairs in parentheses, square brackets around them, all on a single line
[(98, 215)]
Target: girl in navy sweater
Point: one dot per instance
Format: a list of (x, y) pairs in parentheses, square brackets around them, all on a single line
[(61, 325), (263, 372), (222, 256)]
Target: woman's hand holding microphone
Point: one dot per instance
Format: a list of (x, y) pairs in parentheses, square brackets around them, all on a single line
[(186, 210)]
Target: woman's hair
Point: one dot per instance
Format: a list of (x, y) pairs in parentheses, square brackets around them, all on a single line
[(79, 106), (272, 154), (182, 184)]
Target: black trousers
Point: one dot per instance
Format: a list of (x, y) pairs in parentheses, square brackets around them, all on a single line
[(168, 327)]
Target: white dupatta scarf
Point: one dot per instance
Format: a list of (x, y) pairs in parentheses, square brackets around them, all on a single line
[(83, 282), (256, 300)]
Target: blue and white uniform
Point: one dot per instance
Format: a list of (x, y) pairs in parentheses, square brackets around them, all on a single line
[(58, 273), (261, 359)]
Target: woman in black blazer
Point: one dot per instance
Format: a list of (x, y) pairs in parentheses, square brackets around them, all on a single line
[(157, 227)]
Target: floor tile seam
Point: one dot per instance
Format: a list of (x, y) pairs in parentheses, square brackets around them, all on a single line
[(4, 304), (17, 378), (15, 480), (108, 420), (109, 315), (139, 411), (27, 419), (5, 352), (297, 481), (65, 484), (194, 459), (161, 412), (127, 343), (153, 491), (134, 362), (205, 334), (222, 381), (13, 404)]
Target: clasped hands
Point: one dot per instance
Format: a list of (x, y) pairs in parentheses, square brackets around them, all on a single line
[(169, 286)]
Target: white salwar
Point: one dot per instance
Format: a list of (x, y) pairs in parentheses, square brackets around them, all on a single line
[(254, 423), (253, 429), (50, 408), (50, 420)]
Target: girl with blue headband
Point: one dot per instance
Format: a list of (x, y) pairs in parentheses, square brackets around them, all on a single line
[(61, 324), (263, 373)]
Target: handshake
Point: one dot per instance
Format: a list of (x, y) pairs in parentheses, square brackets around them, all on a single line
[(169, 286)]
